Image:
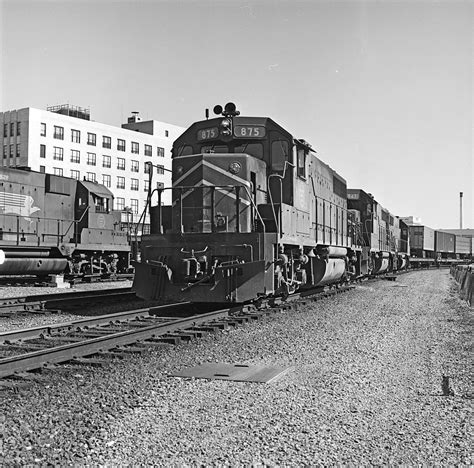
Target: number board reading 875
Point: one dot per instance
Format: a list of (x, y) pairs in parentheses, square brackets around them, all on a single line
[(249, 131), (208, 133)]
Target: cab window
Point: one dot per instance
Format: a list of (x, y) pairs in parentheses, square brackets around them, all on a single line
[(184, 150), (254, 149), (214, 149), (279, 154), (301, 162)]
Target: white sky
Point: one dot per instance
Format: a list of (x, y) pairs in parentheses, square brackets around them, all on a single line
[(382, 90)]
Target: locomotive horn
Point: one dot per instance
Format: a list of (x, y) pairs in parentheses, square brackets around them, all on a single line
[(230, 107), (230, 110)]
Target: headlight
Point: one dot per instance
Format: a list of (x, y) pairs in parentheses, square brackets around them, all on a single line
[(226, 127), (235, 167)]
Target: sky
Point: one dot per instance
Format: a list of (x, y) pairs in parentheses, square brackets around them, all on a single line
[(383, 90)]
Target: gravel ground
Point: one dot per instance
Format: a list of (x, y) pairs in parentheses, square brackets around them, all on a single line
[(364, 388), (17, 291), (21, 320)]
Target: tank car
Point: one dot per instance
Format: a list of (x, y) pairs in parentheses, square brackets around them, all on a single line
[(254, 213), (52, 224)]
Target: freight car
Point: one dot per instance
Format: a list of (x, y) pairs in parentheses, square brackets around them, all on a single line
[(437, 247), (463, 245), (255, 213), (51, 224)]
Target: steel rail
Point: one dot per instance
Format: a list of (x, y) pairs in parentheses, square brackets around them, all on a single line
[(70, 295), (36, 332), (58, 354)]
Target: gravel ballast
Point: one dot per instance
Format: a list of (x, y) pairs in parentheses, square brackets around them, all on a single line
[(27, 320), (365, 387)]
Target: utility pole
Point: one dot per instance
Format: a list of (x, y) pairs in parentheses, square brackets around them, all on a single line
[(460, 210)]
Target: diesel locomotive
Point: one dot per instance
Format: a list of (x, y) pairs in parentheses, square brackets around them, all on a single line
[(256, 213), (52, 224)]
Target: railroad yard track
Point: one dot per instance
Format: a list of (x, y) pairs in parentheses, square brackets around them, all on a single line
[(53, 302), (90, 341)]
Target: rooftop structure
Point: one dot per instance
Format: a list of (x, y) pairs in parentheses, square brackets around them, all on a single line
[(71, 111)]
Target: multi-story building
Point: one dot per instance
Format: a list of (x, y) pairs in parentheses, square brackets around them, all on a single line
[(62, 140)]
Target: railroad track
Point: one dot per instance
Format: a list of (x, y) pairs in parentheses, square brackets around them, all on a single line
[(53, 302), (90, 340)]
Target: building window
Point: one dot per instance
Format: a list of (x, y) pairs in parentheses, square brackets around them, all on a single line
[(160, 169), (58, 133), (17, 150), (106, 161), (57, 171), (75, 174), (91, 139), (119, 203), (121, 163), (147, 168), (106, 142), (5, 151), (135, 147), (43, 129), (18, 128), (160, 152), (148, 151), (134, 205), (167, 133), (134, 166), (12, 150), (120, 145), (43, 169), (106, 180), (42, 151), (12, 129), (75, 156), (91, 177), (134, 184), (5, 130), (146, 185), (121, 182), (58, 154), (75, 136), (91, 159)]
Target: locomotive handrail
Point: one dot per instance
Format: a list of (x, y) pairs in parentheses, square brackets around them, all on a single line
[(38, 219), (76, 223), (192, 187), (280, 177)]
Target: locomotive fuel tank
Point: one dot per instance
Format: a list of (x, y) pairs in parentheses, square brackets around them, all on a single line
[(330, 266), (381, 262)]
